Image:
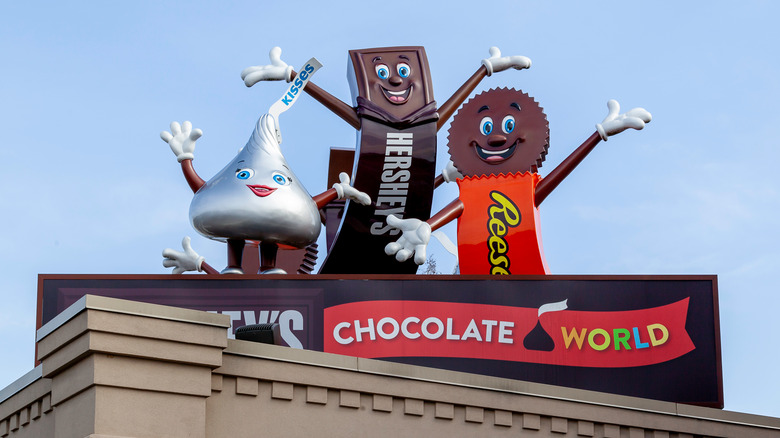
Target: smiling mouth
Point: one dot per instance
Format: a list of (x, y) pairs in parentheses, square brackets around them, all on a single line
[(493, 157), (397, 97), (261, 191)]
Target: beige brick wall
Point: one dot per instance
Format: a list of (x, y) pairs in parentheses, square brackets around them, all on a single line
[(121, 369)]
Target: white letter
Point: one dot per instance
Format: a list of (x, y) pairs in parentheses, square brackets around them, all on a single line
[(285, 330), (432, 320), (451, 336), (235, 315), (503, 332), (368, 329), (337, 335), (249, 317), (399, 138), (405, 327), (400, 150), (390, 321), (472, 332), (489, 324)]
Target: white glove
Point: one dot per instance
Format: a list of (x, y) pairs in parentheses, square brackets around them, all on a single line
[(277, 70), (616, 123), (185, 261), (182, 139), (415, 237), (345, 190), (497, 63), (451, 173)]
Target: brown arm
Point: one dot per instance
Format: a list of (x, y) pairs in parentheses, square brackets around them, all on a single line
[(195, 181), (449, 107), (452, 211), (332, 103), (551, 181), (325, 197), (439, 180), (205, 267)]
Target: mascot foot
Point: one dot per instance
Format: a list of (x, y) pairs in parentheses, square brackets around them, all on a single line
[(230, 270), (273, 271)]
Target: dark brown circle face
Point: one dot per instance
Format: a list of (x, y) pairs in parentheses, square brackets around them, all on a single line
[(501, 130)]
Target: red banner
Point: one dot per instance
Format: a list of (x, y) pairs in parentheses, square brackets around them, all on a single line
[(617, 339)]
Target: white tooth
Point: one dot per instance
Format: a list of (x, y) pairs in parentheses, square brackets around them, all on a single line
[(494, 152), (397, 93)]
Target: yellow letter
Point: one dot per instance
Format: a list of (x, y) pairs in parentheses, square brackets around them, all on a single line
[(496, 244), (496, 227), (506, 206), (651, 332), (498, 270), (578, 337)]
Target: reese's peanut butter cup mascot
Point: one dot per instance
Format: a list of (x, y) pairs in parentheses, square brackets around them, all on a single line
[(498, 140), (397, 118)]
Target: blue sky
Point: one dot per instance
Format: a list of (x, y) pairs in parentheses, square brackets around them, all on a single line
[(87, 186)]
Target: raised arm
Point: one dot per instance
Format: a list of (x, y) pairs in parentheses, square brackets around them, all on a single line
[(341, 190), (449, 174), (614, 123), (339, 108), (551, 181), (182, 140), (495, 63), (278, 70)]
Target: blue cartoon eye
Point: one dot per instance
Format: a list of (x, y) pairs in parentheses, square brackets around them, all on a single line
[(281, 179), (245, 173), (486, 125), (404, 70), (508, 124), (382, 71)]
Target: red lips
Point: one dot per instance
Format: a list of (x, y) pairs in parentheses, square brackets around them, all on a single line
[(260, 190)]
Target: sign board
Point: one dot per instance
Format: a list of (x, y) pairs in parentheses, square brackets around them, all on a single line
[(655, 337)]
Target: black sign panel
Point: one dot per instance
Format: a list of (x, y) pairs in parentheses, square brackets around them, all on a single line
[(647, 336)]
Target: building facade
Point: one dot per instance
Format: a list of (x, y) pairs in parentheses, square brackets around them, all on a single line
[(115, 368)]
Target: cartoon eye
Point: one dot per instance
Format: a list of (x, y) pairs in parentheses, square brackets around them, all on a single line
[(245, 173), (382, 71), (281, 179), (404, 70), (486, 125), (508, 124)]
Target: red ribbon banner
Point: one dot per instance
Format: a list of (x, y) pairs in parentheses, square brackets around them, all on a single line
[(615, 339)]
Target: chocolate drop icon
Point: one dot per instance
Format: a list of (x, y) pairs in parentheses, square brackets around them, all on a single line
[(538, 339)]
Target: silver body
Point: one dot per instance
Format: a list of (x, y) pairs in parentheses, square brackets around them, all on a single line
[(228, 208)]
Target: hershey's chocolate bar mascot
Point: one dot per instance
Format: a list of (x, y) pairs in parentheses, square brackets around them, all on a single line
[(397, 119)]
